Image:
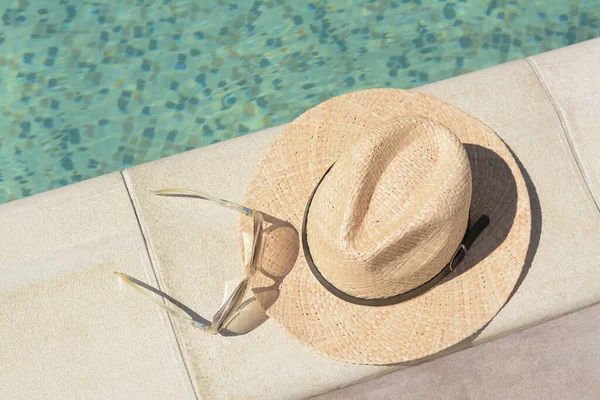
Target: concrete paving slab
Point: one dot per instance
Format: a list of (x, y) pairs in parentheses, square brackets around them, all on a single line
[(570, 76), (559, 359), (68, 328)]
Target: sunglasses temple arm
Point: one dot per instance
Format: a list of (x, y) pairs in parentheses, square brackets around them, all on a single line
[(188, 192), (181, 311)]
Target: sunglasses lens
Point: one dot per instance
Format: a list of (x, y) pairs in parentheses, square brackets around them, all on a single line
[(230, 306)]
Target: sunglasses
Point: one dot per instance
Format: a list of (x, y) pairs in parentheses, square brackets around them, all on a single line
[(231, 307)]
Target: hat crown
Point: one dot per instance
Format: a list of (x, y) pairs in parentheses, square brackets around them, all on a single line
[(392, 211)]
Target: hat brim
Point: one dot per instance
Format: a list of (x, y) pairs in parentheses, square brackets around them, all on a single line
[(453, 310)]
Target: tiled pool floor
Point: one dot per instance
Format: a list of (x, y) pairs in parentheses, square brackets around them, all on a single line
[(89, 87)]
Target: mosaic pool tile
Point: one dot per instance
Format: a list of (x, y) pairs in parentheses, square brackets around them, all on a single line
[(89, 87)]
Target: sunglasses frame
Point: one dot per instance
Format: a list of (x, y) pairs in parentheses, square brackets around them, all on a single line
[(231, 307)]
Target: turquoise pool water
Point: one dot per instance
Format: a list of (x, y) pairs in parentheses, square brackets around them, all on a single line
[(89, 87)]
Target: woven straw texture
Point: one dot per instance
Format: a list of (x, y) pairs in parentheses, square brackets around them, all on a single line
[(386, 219), (393, 209)]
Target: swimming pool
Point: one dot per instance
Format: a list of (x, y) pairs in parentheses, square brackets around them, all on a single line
[(90, 87)]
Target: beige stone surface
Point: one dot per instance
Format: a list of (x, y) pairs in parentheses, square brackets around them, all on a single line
[(68, 328), (571, 77), (193, 244), (559, 359)]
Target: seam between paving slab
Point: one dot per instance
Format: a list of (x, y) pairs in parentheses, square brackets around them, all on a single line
[(156, 273), (565, 127)]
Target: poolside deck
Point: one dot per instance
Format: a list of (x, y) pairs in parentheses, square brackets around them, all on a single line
[(67, 327)]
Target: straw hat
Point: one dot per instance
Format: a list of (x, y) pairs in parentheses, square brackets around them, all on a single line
[(380, 186)]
